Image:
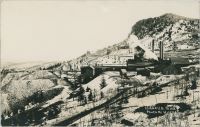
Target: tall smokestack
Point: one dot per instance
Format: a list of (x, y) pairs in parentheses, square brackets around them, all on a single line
[(161, 50), (152, 44)]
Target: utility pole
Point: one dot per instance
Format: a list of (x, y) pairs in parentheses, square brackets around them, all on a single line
[(193, 95), (167, 94)]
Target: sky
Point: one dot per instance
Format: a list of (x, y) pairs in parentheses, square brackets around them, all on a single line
[(51, 30)]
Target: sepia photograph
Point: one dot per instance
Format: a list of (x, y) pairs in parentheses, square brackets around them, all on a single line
[(100, 63)]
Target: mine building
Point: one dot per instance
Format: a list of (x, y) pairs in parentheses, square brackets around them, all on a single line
[(173, 65), (87, 72), (123, 73), (171, 69), (180, 61), (143, 71), (138, 64), (133, 64)]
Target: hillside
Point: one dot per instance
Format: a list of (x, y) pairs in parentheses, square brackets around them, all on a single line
[(169, 28), (156, 25)]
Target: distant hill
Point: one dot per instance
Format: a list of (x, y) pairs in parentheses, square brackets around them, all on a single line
[(172, 29), (156, 25)]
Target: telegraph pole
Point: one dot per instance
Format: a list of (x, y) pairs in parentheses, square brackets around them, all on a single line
[(167, 94), (193, 95)]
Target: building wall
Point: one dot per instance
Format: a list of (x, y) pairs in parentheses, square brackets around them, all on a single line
[(171, 69)]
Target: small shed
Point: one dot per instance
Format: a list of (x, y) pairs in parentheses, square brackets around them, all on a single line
[(171, 69), (180, 61), (87, 72), (123, 73), (143, 71)]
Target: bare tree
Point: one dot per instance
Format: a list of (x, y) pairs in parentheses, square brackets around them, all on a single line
[(103, 83)]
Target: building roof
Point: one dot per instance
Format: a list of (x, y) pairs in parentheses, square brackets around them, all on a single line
[(127, 55), (123, 71), (139, 64), (89, 66)]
